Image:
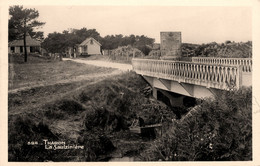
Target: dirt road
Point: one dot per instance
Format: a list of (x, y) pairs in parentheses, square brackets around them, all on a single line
[(95, 75), (120, 66), (60, 83), (48, 90)]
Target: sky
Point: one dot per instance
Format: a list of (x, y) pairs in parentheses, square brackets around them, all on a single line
[(197, 24)]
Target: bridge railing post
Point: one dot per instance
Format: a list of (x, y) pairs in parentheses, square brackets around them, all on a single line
[(239, 76)]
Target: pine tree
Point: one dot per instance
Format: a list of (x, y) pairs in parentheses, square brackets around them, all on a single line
[(21, 22)]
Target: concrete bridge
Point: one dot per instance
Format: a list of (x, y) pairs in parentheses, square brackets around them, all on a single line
[(199, 79)]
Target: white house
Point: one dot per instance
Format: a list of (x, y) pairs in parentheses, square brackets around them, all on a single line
[(90, 46), (17, 46)]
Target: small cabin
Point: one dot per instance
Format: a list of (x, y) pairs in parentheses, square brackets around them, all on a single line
[(90, 47), (17, 46)]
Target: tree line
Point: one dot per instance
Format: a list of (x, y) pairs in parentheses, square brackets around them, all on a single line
[(24, 21), (58, 42)]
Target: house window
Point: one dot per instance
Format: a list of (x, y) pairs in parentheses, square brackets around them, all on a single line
[(21, 48), (12, 49), (37, 49), (34, 49)]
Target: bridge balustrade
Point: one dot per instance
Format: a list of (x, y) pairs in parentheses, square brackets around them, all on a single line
[(210, 75), (246, 63)]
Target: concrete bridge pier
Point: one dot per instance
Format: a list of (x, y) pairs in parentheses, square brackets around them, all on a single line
[(176, 100), (155, 93)]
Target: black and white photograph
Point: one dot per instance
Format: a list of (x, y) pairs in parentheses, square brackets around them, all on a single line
[(129, 83)]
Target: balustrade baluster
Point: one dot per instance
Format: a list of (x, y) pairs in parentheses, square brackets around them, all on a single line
[(196, 71), (183, 70), (154, 66), (228, 75), (207, 72), (172, 68), (166, 68), (217, 76), (221, 74), (210, 73), (190, 71), (202, 72), (213, 73), (199, 72), (187, 70), (179, 72)]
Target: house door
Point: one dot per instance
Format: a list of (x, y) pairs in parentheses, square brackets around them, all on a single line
[(85, 49)]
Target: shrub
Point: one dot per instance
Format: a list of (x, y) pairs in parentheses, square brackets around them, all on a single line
[(97, 145), (62, 108), (218, 129), (83, 97), (104, 119), (23, 130)]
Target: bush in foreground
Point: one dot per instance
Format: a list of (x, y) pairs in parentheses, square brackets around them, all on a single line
[(215, 130), (62, 109), (24, 130)]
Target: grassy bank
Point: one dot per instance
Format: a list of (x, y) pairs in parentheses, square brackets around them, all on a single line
[(94, 113), (98, 112), (44, 71)]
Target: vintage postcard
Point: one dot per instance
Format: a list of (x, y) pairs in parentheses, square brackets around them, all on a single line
[(114, 82)]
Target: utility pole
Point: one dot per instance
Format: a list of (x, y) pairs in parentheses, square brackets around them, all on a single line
[(24, 41)]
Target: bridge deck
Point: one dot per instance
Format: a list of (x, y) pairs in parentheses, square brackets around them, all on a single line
[(219, 76)]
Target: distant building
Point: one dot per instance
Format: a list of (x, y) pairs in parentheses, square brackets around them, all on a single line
[(90, 46), (17, 46), (69, 52), (72, 51)]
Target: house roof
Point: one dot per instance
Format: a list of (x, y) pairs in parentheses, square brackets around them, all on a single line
[(29, 42), (87, 41)]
